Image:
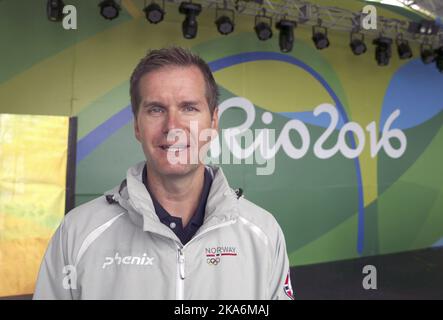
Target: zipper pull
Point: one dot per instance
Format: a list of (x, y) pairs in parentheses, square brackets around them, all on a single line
[(181, 263)]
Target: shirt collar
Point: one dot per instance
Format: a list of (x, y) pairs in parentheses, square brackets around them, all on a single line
[(134, 197), (199, 214)]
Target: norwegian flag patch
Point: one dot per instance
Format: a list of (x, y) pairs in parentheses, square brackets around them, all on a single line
[(288, 287)]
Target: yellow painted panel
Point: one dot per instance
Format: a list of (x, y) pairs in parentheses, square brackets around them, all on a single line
[(33, 160)]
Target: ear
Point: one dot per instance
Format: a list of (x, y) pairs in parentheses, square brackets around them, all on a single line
[(214, 121), (137, 131)]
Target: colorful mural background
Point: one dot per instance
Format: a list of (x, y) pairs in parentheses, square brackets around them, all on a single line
[(329, 209)]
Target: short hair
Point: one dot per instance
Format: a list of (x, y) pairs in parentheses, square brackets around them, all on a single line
[(172, 56)]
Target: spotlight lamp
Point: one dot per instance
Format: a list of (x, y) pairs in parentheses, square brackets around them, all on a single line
[(190, 25), (286, 36), (263, 27), (54, 10), (357, 43), (403, 48), (109, 9), (427, 54), (439, 59), (320, 37), (224, 20), (424, 27), (383, 50), (154, 13)]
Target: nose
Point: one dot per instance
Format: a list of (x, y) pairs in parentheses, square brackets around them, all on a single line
[(171, 122), (173, 129)]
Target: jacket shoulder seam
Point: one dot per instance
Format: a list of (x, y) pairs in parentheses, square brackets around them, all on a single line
[(94, 235), (255, 229)]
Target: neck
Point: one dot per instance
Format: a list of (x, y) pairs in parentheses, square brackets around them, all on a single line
[(179, 195)]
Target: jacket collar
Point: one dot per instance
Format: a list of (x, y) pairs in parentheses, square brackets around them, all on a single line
[(132, 195)]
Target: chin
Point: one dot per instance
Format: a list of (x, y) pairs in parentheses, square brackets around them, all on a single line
[(177, 169)]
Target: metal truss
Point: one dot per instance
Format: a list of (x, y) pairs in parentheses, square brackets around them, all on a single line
[(330, 17)]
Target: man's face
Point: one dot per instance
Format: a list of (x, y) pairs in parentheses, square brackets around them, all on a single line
[(173, 101)]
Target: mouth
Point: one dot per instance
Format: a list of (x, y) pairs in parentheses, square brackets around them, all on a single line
[(174, 148)]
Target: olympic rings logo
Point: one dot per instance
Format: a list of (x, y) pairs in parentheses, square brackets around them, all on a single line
[(213, 261)]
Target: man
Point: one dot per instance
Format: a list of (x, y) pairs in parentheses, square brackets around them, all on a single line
[(173, 229)]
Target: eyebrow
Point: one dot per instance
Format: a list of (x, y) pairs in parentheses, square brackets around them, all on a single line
[(148, 104), (188, 102)]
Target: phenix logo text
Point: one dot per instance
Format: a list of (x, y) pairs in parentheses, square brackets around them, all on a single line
[(117, 259)]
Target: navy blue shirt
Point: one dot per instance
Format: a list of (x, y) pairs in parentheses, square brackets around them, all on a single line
[(175, 223)]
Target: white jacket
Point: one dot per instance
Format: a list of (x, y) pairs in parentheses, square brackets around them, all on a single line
[(115, 247)]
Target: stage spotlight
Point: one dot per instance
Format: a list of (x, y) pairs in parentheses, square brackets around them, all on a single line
[(383, 50), (54, 10), (109, 9), (439, 59), (424, 27), (427, 53), (320, 37), (403, 49), (263, 27), (286, 36), (154, 13), (357, 43), (190, 25), (225, 24)]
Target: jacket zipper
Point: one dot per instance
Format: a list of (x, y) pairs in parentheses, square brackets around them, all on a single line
[(180, 274), (180, 279)]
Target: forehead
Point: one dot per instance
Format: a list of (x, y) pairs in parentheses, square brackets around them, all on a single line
[(173, 80)]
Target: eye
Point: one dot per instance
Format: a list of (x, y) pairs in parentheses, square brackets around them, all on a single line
[(190, 108), (155, 110)]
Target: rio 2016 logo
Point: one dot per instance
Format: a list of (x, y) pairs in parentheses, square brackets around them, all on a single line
[(267, 146), (262, 142)]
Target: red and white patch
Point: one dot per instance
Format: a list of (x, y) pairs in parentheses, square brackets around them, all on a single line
[(288, 287)]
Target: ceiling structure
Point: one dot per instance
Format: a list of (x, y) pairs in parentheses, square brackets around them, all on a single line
[(337, 17)]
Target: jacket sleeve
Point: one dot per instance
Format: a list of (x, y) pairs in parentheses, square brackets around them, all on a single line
[(56, 275), (280, 287)]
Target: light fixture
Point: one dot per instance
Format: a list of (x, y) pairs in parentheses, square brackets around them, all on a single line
[(424, 27), (262, 26), (383, 50), (190, 25), (403, 48), (286, 36), (109, 9), (427, 54), (357, 43), (225, 24), (54, 10), (439, 59), (154, 13), (320, 37)]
